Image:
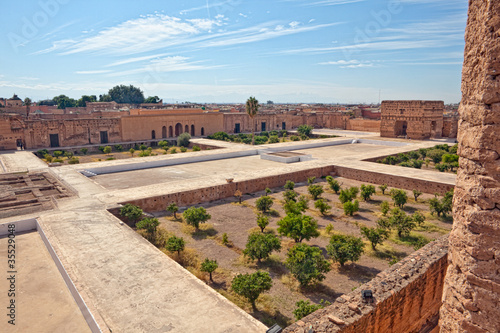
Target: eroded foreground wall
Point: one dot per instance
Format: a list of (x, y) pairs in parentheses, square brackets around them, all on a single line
[(471, 298), (407, 299)]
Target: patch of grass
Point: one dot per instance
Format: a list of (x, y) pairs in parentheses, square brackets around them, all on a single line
[(384, 251), (188, 259), (432, 227), (413, 239), (289, 281), (206, 230), (447, 219), (267, 230)]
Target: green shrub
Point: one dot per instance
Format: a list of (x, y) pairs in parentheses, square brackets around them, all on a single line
[(294, 138), (57, 153), (307, 264), (304, 308), (196, 148), (74, 160), (222, 136), (305, 130), (333, 183), (183, 149), (183, 139), (173, 150), (194, 216), (274, 139), (343, 248), (264, 203), (351, 207), (48, 158), (84, 151), (57, 160), (118, 147)]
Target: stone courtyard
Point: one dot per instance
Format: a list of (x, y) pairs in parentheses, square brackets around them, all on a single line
[(126, 283)]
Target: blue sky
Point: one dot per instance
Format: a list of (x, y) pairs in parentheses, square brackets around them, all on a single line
[(328, 51)]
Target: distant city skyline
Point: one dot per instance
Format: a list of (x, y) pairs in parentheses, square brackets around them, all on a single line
[(287, 51)]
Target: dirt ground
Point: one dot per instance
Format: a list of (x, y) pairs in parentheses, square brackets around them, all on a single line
[(238, 220)]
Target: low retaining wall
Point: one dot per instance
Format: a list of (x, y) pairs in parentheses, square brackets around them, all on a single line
[(407, 183), (407, 298)]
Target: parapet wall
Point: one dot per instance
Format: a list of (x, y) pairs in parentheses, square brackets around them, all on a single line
[(406, 183), (207, 194), (407, 298)]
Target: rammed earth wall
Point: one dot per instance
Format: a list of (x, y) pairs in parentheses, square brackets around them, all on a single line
[(471, 298)]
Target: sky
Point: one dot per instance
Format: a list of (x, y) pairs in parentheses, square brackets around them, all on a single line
[(223, 51)]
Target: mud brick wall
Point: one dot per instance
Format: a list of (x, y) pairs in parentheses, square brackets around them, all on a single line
[(364, 125), (450, 127), (406, 183), (407, 299), (207, 194), (471, 297)]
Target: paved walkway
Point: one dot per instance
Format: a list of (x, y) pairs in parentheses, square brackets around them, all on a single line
[(128, 284)]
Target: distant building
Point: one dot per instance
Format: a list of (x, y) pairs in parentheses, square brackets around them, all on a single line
[(416, 120)]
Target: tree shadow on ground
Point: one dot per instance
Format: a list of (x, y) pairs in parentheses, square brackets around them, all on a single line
[(200, 234), (358, 273), (410, 209), (269, 319), (274, 265), (320, 291), (359, 217), (389, 254)]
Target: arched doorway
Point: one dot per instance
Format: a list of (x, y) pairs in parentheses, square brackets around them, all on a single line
[(170, 131), (186, 129), (164, 132), (192, 130), (153, 134), (202, 131), (178, 129)]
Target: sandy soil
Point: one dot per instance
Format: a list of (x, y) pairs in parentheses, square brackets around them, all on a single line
[(238, 220)]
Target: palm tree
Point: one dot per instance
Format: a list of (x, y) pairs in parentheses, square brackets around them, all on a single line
[(252, 109), (27, 103)]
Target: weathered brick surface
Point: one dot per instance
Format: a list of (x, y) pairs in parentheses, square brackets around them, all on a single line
[(407, 299), (423, 119), (407, 183), (471, 297)]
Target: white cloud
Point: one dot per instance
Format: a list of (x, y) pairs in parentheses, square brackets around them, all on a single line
[(243, 15), (259, 33), (167, 64), (349, 63), (205, 7), (137, 35), (154, 32), (27, 78), (102, 71), (324, 2)]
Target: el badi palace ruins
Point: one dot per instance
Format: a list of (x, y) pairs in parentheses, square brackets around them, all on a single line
[(450, 285)]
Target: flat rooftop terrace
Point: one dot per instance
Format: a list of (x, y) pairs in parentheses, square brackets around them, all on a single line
[(43, 301), (228, 166)]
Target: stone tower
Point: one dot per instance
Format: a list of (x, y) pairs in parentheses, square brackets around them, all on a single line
[(471, 296)]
